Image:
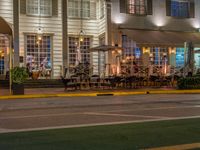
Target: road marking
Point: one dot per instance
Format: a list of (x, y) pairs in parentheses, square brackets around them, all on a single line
[(99, 113), (127, 115), (35, 116), (93, 124), (144, 109), (178, 147)]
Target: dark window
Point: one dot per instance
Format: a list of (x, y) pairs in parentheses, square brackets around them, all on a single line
[(180, 9)]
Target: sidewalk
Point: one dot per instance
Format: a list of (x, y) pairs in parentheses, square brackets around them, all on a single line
[(59, 92)]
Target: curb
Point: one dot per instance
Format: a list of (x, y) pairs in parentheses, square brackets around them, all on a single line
[(94, 94)]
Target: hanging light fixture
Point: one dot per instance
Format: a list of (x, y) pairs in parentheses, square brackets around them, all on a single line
[(81, 33), (39, 29)]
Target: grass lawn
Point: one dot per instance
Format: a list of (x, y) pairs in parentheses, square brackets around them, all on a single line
[(112, 137)]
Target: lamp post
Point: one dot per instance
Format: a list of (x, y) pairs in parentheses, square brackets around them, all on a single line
[(10, 63)]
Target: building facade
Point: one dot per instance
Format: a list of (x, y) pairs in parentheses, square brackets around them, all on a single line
[(49, 33), (153, 32)]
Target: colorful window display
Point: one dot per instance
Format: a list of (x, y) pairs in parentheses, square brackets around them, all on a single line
[(38, 53), (180, 57), (131, 51)]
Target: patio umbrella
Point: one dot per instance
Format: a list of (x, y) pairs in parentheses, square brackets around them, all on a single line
[(104, 48)]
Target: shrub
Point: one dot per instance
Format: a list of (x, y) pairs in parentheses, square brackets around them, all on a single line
[(189, 83), (19, 75)]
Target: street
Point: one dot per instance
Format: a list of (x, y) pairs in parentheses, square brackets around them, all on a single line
[(63, 112)]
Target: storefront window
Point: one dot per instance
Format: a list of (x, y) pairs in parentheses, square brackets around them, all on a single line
[(84, 46), (131, 51), (38, 53), (158, 55), (197, 58), (179, 57)]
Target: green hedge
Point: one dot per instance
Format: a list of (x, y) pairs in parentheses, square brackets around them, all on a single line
[(189, 83)]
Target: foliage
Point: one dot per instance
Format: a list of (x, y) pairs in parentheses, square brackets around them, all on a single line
[(19, 75), (189, 83)]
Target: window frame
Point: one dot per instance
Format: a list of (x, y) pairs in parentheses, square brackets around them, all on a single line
[(179, 10), (134, 6), (39, 9), (101, 9), (39, 53), (88, 10), (75, 40)]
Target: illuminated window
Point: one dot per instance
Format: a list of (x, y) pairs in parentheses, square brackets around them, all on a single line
[(158, 55), (73, 45), (131, 50), (38, 53), (179, 57), (180, 9), (39, 7), (3, 48), (74, 8), (136, 7)]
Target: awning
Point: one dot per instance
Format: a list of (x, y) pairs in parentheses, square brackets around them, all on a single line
[(5, 27), (162, 38), (104, 48)]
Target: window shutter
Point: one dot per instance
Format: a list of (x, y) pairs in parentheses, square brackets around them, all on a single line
[(55, 8), (168, 7), (123, 6), (93, 10), (192, 10), (23, 6), (149, 7)]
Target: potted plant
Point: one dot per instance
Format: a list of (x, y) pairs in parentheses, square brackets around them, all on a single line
[(19, 75)]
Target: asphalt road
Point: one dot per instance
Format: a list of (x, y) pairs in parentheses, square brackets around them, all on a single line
[(50, 113)]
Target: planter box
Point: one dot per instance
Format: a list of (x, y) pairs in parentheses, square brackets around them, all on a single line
[(18, 89)]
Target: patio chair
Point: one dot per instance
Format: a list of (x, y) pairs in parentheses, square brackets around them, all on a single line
[(70, 83), (94, 81)]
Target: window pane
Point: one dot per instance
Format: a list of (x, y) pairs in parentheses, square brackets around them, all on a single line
[(39, 7), (32, 7), (84, 46), (136, 7), (75, 10), (179, 57), (38, 54), (180, 9)]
